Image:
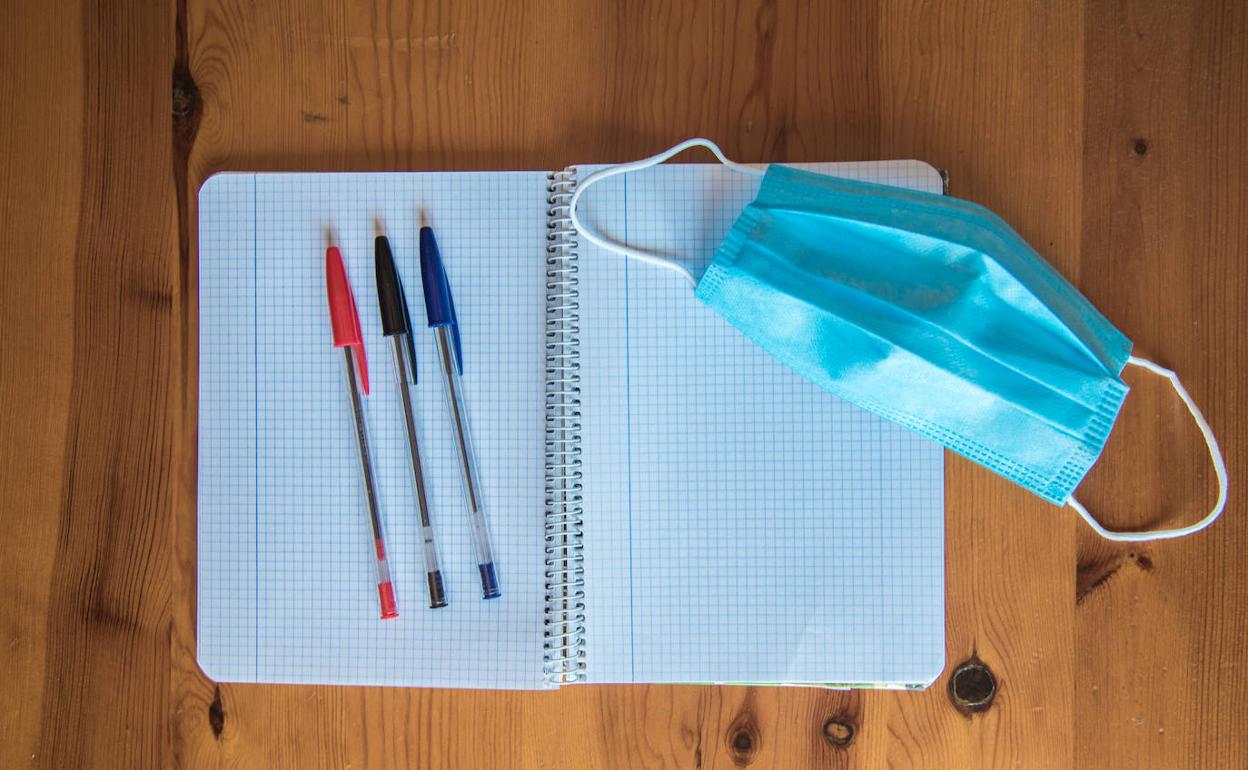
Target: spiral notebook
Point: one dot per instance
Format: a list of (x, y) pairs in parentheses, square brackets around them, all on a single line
[(668, 503)]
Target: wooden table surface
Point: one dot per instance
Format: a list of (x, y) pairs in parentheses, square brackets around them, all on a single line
[(1113, 135)]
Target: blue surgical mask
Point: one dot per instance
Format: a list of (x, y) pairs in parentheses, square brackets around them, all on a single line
[(928, 311)]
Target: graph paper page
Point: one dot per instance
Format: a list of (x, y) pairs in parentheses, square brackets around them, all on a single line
[(287, 591), (741, 524)]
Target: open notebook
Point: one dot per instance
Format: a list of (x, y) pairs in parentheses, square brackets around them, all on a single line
[(668, 503)]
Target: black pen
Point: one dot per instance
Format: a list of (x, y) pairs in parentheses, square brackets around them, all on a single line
[(396, 324)]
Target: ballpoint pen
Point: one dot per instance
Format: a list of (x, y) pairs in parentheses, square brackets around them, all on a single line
[(347, 336), (440, 307), (396, 325)]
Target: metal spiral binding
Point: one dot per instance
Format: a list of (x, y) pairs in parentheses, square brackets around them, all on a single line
[(564, 656)]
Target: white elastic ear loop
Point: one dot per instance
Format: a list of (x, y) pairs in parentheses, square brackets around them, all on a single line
[(1215, 454), (659, 260)]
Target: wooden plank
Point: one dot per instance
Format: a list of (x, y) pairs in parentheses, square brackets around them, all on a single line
[(39, 222), (95, 300), (993, 97), (1161, 626)]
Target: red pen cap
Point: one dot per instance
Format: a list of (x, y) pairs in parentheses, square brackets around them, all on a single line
[(343, 314)]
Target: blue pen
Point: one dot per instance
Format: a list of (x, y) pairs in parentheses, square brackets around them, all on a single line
[(440, 307)]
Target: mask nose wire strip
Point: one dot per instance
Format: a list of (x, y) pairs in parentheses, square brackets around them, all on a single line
[(651, 258), (1215, 454)]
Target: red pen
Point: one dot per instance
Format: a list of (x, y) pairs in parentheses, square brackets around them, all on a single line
[(347, 336)]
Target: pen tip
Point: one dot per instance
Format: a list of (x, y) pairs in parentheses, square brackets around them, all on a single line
[(389, 607), (378, 229), (489, 581), (424, 220)]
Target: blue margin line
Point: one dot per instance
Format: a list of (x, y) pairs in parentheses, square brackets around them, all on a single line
[(255, 341), (628, 403)]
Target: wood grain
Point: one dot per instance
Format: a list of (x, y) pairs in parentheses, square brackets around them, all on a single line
[(41, 175), (1111, 134), (1161, 639)]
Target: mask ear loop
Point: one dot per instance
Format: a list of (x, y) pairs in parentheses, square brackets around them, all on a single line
[(659, 260), (1215, 454)]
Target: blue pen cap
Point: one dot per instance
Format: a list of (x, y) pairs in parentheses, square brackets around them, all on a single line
[(439, 304)]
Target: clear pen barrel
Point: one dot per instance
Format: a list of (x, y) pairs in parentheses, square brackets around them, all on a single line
[(359, 428), (403, 378), (468, 461)]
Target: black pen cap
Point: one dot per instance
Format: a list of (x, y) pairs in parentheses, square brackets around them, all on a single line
[(395, 317), (390, 298)]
